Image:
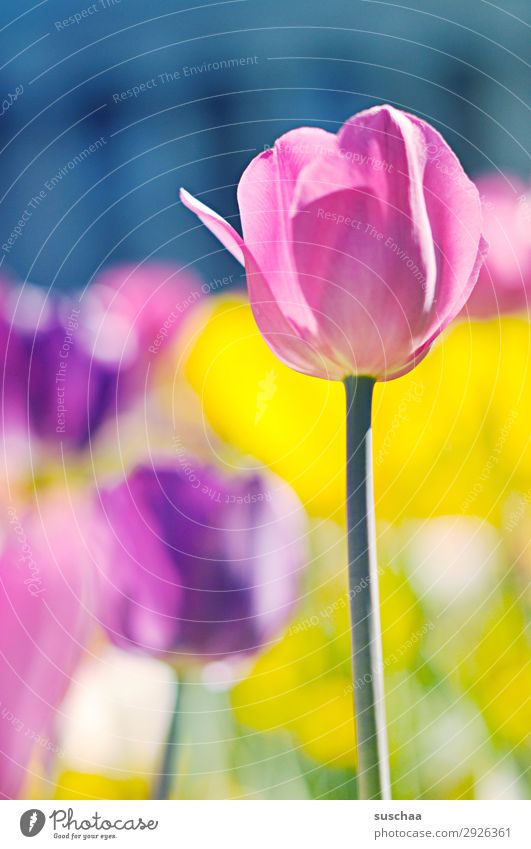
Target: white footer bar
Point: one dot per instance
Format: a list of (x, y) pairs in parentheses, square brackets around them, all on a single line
[(265, 825)]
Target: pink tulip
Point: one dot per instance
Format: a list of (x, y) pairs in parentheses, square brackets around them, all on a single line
[(504, 283), (359, 247), (46, 597)]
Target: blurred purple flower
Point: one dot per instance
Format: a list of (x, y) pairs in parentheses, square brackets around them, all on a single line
[(202, 564), (47, 596), (70, 365), (57, 382)]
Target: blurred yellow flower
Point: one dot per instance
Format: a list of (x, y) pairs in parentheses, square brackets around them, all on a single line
[(450, 437), (303, 683), (82, 785), (256, 403), (499, 674)]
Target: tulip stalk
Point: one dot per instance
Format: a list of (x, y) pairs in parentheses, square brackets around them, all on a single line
[(170, 759), (367, 662)]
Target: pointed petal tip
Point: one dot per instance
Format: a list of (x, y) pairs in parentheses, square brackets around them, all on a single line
[(217, 225)]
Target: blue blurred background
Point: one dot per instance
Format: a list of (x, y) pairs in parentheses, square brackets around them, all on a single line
[(67, 68)]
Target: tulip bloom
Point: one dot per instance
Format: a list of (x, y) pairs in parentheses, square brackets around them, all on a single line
[(359, 247), (46, 603), (504, 283), (204, 566), (60, 379)]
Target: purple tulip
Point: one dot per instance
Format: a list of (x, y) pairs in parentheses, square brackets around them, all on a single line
[(47, 594), (202, 564), (60, 380)]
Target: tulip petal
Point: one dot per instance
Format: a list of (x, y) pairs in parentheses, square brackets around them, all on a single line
[(217, 225), (363, 279), (46, 598), (266, 190), (454, 210), (302, 351), (265, 194), (377, 153), (142, 577)]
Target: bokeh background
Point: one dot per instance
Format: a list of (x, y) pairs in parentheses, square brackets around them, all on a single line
[(102, 120)]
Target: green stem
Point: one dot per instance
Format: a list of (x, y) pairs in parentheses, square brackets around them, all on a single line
[(168, 773), (373, 766)]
